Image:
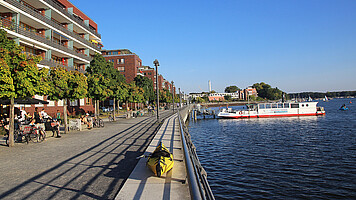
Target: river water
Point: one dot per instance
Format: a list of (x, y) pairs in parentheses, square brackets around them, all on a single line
[(281, 158)]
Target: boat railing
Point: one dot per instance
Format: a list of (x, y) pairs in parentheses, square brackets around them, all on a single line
[(197, 176)]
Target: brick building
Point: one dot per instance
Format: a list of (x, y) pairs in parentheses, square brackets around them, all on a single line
[(125, 61), (57, 31)]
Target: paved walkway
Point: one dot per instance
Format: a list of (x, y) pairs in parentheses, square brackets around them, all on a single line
[(143, 184), (89, 164)]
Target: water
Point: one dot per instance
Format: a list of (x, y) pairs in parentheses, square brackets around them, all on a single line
[(281, 158)]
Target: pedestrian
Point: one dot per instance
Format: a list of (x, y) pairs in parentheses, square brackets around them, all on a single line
[(37, 116), (58, 117)]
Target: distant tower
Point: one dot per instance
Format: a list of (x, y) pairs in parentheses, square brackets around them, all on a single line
[(209, 86)]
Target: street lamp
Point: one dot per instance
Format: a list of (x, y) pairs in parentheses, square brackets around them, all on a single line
[(156, 63), (173, 94)]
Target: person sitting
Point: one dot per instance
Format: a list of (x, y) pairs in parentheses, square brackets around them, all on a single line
[(23, 115), (44, 115), (85, 120)]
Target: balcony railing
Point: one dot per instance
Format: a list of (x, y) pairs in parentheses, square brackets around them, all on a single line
[(40, 38), (65, 12), (35, 13), (52, 63)]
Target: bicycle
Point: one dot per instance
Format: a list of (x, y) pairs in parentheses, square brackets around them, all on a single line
[(97, 122), (18, 137), (34, 134), (111, 118)]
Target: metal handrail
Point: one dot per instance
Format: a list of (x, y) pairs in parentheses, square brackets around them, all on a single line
[(197, 177), (65, 12), (22, 30), (22, 5)]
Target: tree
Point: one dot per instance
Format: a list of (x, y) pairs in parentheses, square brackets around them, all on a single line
[(113, 80), (20, 76), (231, 89), (147, 85), (98, 88), (66, 85), (136, 94), (266, 91), (227, 97)]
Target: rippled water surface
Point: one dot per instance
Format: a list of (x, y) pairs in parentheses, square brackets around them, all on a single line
[(281, 158)]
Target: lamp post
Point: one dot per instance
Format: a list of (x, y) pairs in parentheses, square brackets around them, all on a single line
[(173, 94), (156, 63)]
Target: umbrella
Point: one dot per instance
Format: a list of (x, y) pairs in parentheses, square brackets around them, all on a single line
[(23, 101)]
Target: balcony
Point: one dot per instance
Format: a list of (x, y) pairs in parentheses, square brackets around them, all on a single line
[(65, 12), (4, 23), (35, 13), (52, 63)]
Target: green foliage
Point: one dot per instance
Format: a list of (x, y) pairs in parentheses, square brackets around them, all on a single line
[(227, 97), (136, 94), (67, 84), (267, 92), (20, 76), (104, 80), (231, 89), (98, 87), (147, 85)]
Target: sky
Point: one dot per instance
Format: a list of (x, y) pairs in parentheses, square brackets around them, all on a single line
[(295, 45)]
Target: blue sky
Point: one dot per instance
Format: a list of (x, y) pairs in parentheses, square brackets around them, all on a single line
[(295, 45)]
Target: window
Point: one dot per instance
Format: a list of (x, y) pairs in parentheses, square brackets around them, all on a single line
[(294, 105), (268, 105), (280, 105), (121, 69), (286, 105), (120, 61), (87, 101), (274, 105), (262, 106)]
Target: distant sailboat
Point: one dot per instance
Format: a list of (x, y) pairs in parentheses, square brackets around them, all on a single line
[(310, 99), (325, 98)]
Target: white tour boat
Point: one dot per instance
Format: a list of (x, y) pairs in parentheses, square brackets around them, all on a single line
[(274, 110)]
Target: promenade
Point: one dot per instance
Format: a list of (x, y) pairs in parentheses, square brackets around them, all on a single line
[(90, 164), (143, 184)]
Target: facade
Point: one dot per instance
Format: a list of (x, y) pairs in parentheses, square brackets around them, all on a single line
[(125, 61), (249, 91), (57, 31)]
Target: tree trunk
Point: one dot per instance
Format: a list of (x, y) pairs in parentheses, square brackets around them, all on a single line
[(11, 124), (65, 116), (95, 110), (113, 115)]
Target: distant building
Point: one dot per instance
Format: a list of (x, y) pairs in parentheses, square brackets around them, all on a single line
[(221, 96), (250, 91), (125, 61)]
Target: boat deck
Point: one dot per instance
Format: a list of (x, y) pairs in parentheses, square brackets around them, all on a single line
[(143, 184)]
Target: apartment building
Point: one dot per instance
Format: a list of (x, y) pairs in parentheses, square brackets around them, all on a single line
[(125, 61), (57, 31)]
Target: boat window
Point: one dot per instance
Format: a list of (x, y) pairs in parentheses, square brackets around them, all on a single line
[(268, 105), (274, 105), (306, 105), (286, 105), (302, 105), (262, 106), (280, 105), (294, 105)]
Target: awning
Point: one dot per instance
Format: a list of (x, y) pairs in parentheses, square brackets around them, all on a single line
[(23, 101)]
